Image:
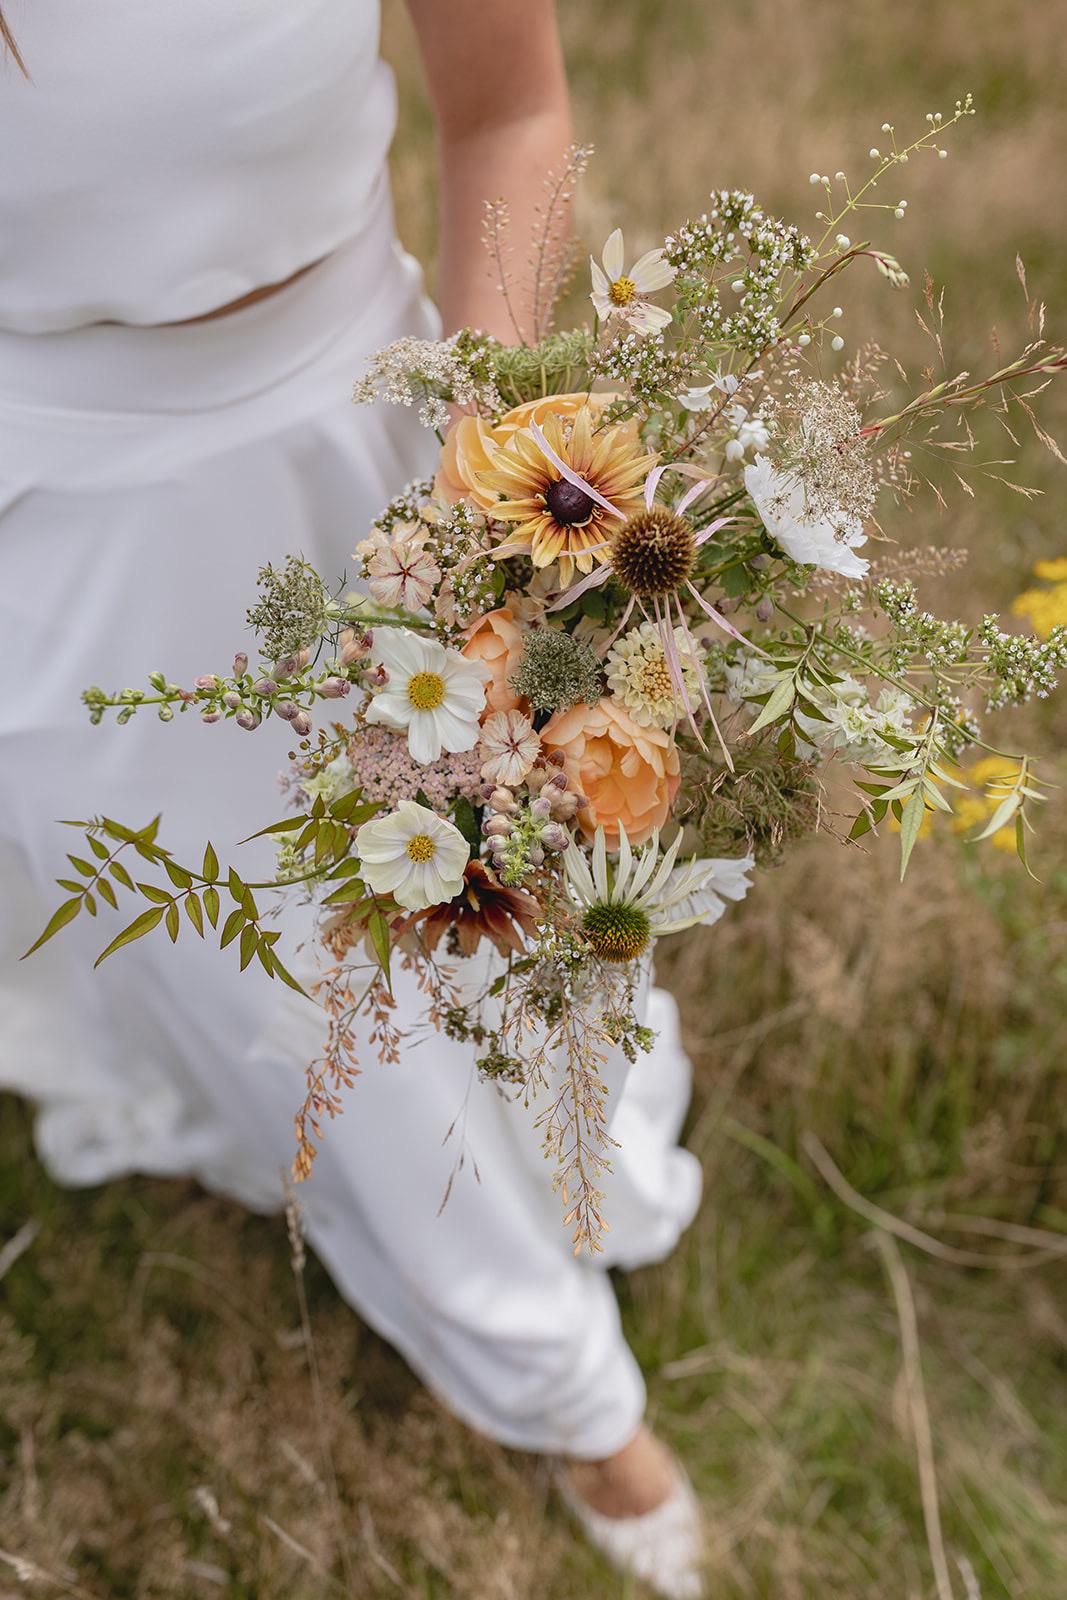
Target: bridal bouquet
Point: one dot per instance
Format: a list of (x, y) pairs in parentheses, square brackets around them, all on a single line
[(600, 667)]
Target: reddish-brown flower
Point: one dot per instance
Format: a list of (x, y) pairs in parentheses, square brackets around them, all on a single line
[(483, 909)]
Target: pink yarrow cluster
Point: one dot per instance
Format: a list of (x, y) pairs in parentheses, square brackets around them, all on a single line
[(385, 771)]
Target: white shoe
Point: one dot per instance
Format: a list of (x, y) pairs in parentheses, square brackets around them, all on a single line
[(664, 1547)]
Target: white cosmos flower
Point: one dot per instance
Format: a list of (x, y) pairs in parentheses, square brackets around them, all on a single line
[(436, 694), (414, 855), (646, 894), (811, 540), (618, 293)]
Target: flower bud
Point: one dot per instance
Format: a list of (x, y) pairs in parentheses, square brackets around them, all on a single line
[(555, 836), (207, 681), (285, 667), (497, 827), (535, 855), (564, 804), (211, 716), (541, 808), (559, 781), (286, 710), (334, 688), (556, 757), (240, 664), (536, 778), (765, 609), (301, 724), (502, 800), (232, 700), (266, 687), (248, 720)]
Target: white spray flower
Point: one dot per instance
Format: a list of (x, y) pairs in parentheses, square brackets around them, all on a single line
[(622, 294), (438, 695)]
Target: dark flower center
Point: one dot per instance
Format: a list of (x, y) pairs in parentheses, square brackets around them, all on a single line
[(567, 503), (653, 552)]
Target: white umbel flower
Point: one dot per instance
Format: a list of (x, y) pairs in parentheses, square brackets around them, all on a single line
[(639, 676), (414, 855), (646, 894), (813, 541), (622, 294), (436, 694)]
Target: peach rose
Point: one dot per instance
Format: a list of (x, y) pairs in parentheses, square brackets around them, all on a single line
[(629, 774), (495, 640), (470, 443)]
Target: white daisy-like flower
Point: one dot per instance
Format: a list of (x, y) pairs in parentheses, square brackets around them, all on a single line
[(645, 894), (618, 293), (414, 855), (813, 541), (438, 695), (509, 747), (639, 676)]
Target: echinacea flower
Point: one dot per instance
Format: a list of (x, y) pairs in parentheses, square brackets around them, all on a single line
[(643, 895), (482, 908), (400, 570), (553, 517), (412, 854), (510, 747), (812, 540), (640, 678), (622, 294), (437, 695)]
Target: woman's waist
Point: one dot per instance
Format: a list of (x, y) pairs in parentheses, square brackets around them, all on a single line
[(213, 361)]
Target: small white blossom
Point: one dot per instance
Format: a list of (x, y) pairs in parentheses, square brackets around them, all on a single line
[(622, 294)]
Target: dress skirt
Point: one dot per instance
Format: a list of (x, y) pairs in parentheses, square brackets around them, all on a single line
[(145, 476)]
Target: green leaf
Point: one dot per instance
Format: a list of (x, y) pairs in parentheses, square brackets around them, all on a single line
[(235, 886), (378, 929), (910, 823), (349, 805), (59, 919), (861, 826), (194, 913), (211, 905), (174, 921), (779, 701), (281, 971), (158, 897), (464, 817), (266, 960), (286, 825), (118, 871), (348, 867), (354, 889), (90, 904), (178, 875), (1000, 818), (72, 885), (98, 847), (107, 893), (210, 869), (86, 868), (249, 943), (137, 929), (232, 927)]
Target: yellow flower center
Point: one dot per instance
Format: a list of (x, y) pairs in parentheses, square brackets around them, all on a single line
[(426, 690), (656, 680), (420, 848), (622, 291)]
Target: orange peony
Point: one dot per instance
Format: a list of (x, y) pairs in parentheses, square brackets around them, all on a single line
[(629, 774), (497, 642), (470, 443)]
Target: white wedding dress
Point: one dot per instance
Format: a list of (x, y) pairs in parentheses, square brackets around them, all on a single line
[(145, 474)]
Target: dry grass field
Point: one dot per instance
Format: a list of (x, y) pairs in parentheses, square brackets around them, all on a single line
[(869, 1412)]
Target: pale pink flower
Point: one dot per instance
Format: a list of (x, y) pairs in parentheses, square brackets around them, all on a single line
[(510, 747), (400, 570)]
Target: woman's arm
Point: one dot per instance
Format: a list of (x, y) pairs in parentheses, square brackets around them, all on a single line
[(499, 91)]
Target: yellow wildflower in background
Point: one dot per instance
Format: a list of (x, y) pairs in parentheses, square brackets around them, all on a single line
[(1046, 608), (971, 811)]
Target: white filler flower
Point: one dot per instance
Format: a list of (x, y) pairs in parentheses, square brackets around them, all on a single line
[(814, 541), (436, 694), (414, 855), (618, 293), (646, 895)]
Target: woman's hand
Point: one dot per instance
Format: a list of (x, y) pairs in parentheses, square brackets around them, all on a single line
[(499, 91)]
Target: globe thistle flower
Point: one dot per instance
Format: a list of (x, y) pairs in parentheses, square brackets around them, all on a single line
[(640, 678), (557, 671), (412, 854), (623, 295), (646, 895)]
